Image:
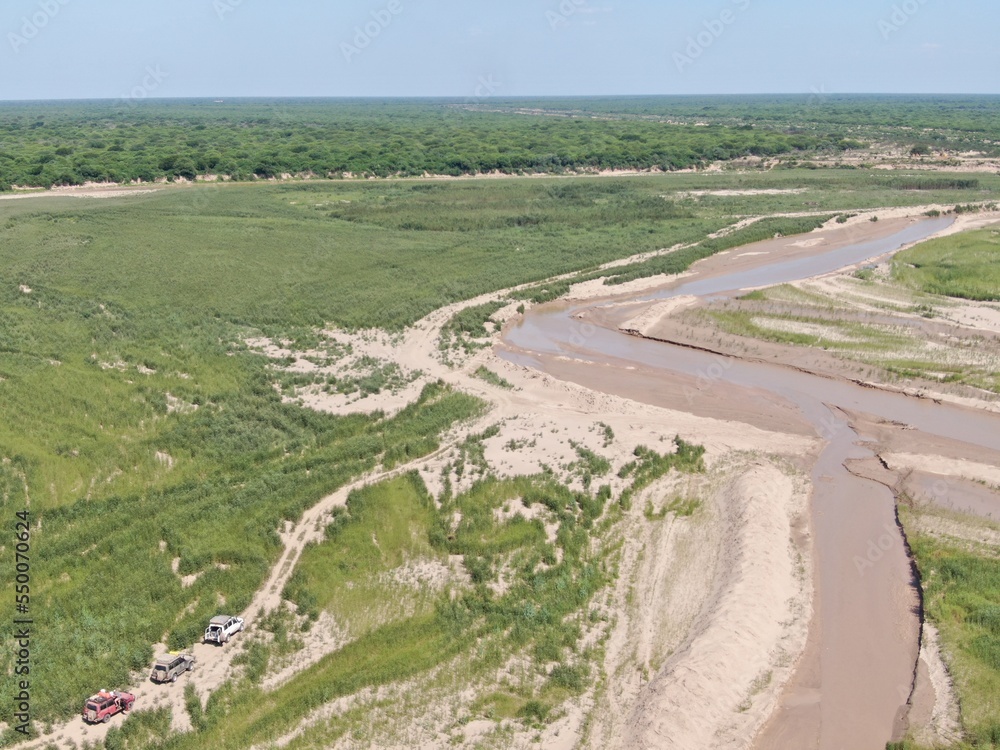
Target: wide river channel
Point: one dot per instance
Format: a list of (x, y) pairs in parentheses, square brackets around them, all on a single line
[(852, 684)]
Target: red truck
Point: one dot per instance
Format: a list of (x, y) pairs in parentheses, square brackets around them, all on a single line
[(101, 706)]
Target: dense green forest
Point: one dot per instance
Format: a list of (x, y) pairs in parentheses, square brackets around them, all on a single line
[(944, 121), (45, 144)]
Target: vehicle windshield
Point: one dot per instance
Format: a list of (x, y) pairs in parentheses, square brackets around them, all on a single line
[(91, 706)]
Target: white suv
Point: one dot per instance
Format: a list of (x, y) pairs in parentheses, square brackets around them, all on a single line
[(221, 628)]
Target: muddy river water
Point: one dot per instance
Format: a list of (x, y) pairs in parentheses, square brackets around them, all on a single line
[(851, 687)]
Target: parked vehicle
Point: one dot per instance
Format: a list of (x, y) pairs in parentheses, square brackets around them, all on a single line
[(170, 666), (221, 628), (104, 704)]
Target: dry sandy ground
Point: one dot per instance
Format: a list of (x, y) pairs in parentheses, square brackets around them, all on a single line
[(720, 614), (86, 191)]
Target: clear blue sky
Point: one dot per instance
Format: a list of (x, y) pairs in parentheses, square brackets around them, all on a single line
[(60, 49)]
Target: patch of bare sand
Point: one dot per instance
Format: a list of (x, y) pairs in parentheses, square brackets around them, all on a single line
[(596, 288), (84, 192), (747, 192), (348, 356), (665, 573), (648, 320), (719, 688), (981, 316), (935, 716), (937, 464)]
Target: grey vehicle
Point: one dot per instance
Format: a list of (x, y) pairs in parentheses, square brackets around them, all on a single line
[(221, 628), (170, 666)]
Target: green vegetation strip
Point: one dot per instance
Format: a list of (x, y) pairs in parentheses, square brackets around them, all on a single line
[(965, 265), (484, 373), (962, 598)]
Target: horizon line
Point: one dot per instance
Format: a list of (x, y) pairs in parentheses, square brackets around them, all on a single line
[(465, 99)]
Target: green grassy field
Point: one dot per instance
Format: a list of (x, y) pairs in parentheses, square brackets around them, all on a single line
[(965, 265), (103, 586), (961, 583), (396, 646), (141, 430)]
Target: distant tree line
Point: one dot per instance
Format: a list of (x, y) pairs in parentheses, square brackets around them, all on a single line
[(53, 144)]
